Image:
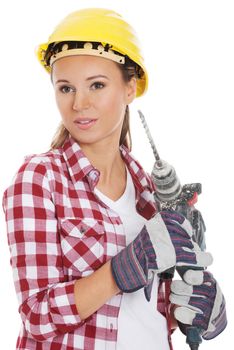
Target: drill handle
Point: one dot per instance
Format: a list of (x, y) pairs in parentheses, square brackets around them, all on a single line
[(193, 335)]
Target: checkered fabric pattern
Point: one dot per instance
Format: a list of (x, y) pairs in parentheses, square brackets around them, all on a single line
[(59, 231)]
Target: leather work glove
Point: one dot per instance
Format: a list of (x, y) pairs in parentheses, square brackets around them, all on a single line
[(202, 305), (165, 241)]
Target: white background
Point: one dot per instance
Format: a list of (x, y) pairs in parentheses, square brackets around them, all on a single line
[(188, 46)]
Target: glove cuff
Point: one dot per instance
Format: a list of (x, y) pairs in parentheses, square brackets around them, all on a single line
[(130, 271), (132, 266)]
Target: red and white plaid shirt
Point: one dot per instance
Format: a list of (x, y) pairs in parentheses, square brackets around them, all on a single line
[(60, 231)]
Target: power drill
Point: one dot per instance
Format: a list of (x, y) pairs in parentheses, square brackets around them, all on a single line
[(170, 195)]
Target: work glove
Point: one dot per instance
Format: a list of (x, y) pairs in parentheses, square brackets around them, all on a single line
[(202, 305), (165, 241)]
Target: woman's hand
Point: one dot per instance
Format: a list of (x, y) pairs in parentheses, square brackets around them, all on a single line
[(165, 241), (202, 305)]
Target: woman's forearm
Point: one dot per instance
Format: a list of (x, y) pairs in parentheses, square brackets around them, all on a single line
[(93, 291)]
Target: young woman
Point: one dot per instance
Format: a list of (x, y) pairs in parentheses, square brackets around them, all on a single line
[(84, 233)]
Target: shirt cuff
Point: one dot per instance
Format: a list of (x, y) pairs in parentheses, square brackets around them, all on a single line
[(63, 308)]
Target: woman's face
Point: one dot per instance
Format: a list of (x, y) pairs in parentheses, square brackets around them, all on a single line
[(91, 96)]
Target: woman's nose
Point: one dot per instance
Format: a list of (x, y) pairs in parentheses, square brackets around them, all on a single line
[(81, 101)]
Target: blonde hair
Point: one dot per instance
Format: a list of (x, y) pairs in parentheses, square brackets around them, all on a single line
[(129, 70)]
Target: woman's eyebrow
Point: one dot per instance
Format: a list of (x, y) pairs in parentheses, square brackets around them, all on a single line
[(62, 81), (89, 78), (97, 76)]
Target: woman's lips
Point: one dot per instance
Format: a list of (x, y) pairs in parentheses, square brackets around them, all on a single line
[(84, 124)]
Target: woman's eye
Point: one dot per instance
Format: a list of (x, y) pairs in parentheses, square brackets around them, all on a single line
[(65, 89), (97, 85)]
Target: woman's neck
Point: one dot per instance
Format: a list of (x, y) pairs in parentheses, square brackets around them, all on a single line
[(107, 159)]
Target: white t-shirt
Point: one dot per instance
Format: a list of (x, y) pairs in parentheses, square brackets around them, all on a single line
[(140, 325)]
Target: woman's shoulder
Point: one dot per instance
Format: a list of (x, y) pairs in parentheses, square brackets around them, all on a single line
[(35, 167), (34, 177), (48, 156)]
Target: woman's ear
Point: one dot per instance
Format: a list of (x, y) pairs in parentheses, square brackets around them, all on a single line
[(131, 90)]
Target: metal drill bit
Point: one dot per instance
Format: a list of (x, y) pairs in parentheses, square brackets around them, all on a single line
[(156, 155)]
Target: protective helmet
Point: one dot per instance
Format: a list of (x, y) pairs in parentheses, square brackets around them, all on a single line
[(95, 26)]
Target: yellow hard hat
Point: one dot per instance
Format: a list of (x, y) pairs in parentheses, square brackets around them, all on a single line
[(96, 25)]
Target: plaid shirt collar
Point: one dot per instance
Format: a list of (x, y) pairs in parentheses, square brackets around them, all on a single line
[(79, 166)]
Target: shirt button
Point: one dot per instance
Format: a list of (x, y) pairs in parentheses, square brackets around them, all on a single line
[(93, 174), (111, 327), (82, 229)]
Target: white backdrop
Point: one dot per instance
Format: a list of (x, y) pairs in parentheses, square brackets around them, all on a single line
[(188, 46)]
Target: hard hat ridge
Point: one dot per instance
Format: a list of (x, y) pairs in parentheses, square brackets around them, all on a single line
[(56, 51)]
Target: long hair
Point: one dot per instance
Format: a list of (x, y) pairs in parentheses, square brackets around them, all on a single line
[(129, 70)]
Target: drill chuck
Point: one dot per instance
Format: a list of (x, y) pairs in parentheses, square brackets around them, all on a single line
[(166, 181)]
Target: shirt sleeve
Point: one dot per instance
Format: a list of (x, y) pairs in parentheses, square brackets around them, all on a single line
[(46, 299)]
